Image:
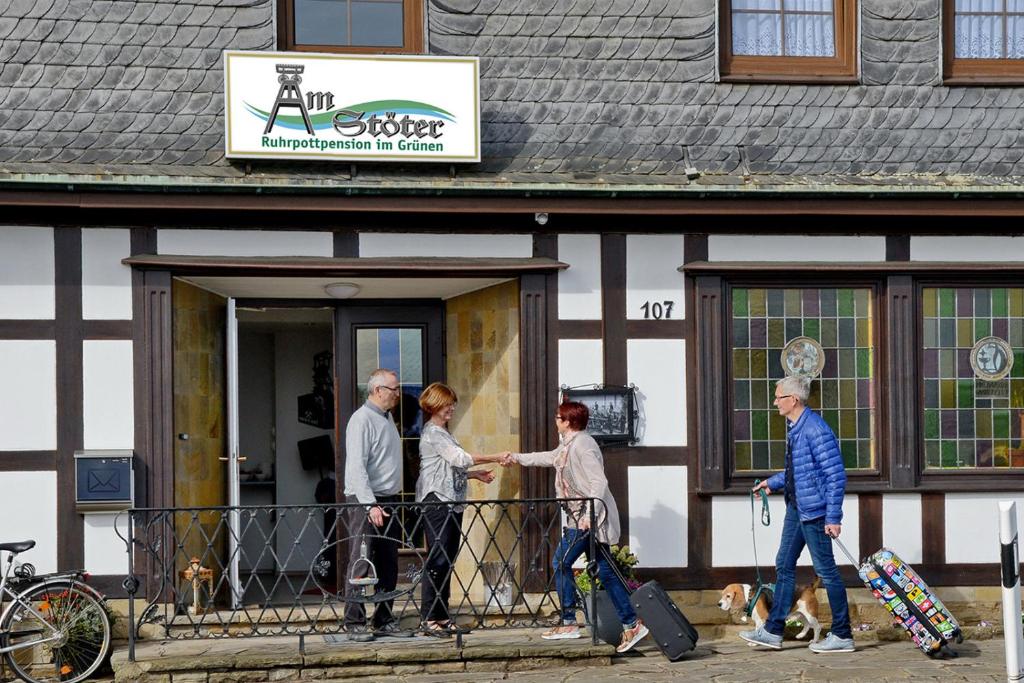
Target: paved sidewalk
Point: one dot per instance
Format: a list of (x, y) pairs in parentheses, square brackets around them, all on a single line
[(521, 655), (732, 661)]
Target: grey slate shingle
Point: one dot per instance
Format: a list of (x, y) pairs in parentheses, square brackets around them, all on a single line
[(572, 91)]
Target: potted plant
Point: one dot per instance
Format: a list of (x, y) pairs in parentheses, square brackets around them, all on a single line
[(606, 621)]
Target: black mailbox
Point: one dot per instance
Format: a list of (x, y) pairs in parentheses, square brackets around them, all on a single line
[(104, 481)]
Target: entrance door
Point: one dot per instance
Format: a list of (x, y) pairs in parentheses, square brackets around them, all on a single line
[(406, 339), (234, 543)]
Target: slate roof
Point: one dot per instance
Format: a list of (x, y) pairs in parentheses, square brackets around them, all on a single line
[(575, 93)]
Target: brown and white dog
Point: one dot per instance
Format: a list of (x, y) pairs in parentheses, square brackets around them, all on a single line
[(735, 596)]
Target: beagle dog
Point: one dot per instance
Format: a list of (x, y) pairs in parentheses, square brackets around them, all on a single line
[(805, 603)]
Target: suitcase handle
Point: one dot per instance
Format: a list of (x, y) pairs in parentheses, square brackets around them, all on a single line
[(592, 565), (846, 552)]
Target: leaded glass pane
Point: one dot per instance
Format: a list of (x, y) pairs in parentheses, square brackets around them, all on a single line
[(971, 419), (842, 320)]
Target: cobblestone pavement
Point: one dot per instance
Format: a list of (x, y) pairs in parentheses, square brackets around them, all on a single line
[(732, 661)]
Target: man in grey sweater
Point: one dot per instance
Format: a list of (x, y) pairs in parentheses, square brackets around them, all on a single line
[(373, 478)]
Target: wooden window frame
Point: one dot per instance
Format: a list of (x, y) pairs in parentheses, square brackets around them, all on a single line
[(967, 71), (731, 481), (413, 38), (842, 68), (958, 479), (899, 337)]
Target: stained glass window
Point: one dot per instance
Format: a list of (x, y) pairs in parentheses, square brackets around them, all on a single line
[(973, 418), (764, 320)]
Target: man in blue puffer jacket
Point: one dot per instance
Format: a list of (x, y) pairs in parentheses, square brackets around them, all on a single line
[(814, 483)]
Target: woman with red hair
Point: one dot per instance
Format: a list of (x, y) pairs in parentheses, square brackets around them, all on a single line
[(579, 473), (444, 471)]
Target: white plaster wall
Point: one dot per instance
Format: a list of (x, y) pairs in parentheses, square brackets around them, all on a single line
[(425, 244), (106, 282), (964, 248), (580, 361), (658, 515), (105, 553), (901, 525), (972, 525), (579, 286), (108, 394), (731, 543), (26, 273), (796, 248), (28, 508), (658, 369), (244, 242), (652, 275), (28, 402)]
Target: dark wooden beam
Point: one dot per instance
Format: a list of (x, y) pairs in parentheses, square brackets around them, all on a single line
[(900, 394), (107, 329), (711, 369), (870, 521), (70, 425), (933, 529), (318, 266), (27, 329), (28, 461)]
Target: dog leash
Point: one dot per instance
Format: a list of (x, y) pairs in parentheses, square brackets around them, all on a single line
[(766, 520)]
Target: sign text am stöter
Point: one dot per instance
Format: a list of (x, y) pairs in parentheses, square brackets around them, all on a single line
[(283, 105)]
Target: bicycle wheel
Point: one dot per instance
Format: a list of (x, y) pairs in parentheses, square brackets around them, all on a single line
[(64, 632)]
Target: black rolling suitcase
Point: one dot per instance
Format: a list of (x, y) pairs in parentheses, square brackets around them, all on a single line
[(670, 630)]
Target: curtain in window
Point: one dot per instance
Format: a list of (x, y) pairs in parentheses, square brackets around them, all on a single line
[(988, 29), (791, 28)]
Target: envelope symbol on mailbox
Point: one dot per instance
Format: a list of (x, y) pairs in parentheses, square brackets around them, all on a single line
[(103, 481)]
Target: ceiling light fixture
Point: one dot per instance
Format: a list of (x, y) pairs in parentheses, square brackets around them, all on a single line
[(342, 290)]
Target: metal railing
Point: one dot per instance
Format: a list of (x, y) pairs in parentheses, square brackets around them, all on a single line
[(220, 572)]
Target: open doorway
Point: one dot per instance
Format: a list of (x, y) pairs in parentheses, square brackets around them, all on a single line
[(286, 436)]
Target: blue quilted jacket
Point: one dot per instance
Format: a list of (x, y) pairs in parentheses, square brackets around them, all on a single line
[(818, 470)]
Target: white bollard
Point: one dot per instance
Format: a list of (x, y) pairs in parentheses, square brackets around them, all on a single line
[(1010, 558)]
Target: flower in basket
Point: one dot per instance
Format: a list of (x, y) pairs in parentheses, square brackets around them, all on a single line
[(626, 562)]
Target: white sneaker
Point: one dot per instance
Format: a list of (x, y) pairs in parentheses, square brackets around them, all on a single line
[(567, 632), (632, 636), (833, 643)]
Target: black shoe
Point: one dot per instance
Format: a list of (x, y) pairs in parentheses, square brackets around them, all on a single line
[(391, 629), (361, 636)]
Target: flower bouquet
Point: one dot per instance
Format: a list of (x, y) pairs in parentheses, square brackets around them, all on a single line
[(626, 562)]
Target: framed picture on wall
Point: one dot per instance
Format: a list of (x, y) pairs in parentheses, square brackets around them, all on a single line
[(612, 412)]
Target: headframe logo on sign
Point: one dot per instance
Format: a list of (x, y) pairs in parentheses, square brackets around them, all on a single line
[(283, 105)]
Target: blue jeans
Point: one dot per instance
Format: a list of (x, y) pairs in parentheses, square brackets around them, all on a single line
[(573, 544), (795, 535)]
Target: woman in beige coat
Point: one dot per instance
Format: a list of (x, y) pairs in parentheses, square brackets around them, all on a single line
[(579, 473)]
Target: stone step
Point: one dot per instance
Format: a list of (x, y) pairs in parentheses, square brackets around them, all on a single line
[(237, 660)]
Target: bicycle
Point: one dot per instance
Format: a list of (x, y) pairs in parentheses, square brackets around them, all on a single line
[(54, 627)]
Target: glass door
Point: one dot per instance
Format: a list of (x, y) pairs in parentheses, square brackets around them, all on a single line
[(408, 340)]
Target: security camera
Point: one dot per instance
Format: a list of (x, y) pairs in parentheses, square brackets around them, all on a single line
[(541, 218)]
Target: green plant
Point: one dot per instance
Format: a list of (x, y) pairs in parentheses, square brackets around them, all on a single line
[(626, 562)]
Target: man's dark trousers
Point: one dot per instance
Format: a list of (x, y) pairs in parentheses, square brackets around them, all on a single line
[(382, 545)]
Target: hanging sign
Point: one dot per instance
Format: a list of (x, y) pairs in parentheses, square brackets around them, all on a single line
[(286, 105)]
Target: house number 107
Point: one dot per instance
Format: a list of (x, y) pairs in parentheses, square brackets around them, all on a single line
[(657, 310)]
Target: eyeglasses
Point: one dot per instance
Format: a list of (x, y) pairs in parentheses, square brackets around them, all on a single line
[(395, 389), (779, 398)]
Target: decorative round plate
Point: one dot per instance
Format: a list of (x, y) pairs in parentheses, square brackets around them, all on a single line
[(991, 358), (803, 357)]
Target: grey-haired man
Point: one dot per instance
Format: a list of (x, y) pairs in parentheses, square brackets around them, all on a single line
[(373, 478)]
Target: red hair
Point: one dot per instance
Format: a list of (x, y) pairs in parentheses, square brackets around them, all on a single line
[(576, 414)]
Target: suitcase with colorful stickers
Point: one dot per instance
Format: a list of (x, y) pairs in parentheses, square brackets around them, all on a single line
[(909, 600)]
